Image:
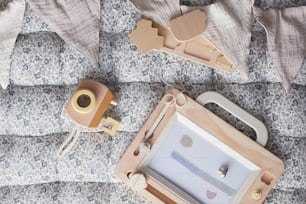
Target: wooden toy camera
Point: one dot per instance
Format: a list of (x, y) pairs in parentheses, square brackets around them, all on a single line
[(86, 109), (88, 105), (186, 154)]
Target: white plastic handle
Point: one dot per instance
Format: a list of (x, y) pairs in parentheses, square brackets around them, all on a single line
[(69, 142), (257, 125)]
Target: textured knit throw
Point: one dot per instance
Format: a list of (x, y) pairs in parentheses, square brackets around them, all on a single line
[(10, 25), (286, 35), (76, 22)]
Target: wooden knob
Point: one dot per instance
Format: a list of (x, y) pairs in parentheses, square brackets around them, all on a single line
[(138, 181), (144, 148), (256, 194)]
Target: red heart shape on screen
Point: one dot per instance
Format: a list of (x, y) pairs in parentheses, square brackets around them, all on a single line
[(210, 194)]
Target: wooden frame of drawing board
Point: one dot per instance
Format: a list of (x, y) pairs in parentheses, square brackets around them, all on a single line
[(142, 169)]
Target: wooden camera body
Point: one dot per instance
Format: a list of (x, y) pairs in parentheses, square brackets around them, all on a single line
[(88, 105)]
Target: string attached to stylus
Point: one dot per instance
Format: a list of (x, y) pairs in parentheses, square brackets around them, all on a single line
[(180, 95), (169, 100), (173, 66)]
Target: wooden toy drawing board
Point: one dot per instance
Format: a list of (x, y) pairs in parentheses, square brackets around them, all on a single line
[(186, 154), (184, 38)]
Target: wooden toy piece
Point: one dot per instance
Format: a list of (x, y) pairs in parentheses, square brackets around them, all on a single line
[(89, 103), (198, 48), (188, 26), (86, 108), (138, 181), (188, 141), (110, 126), (256, 194), (114, 103), (148, 35)]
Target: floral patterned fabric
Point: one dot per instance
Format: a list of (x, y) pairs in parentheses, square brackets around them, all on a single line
[(92, 193), (45, 71)]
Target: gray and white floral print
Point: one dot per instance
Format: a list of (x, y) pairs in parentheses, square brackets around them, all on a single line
[(45, 71)]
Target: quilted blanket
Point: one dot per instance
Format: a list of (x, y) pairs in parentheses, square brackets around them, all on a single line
[(45, 71)]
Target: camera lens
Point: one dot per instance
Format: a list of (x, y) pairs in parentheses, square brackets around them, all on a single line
[(83, 100)]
